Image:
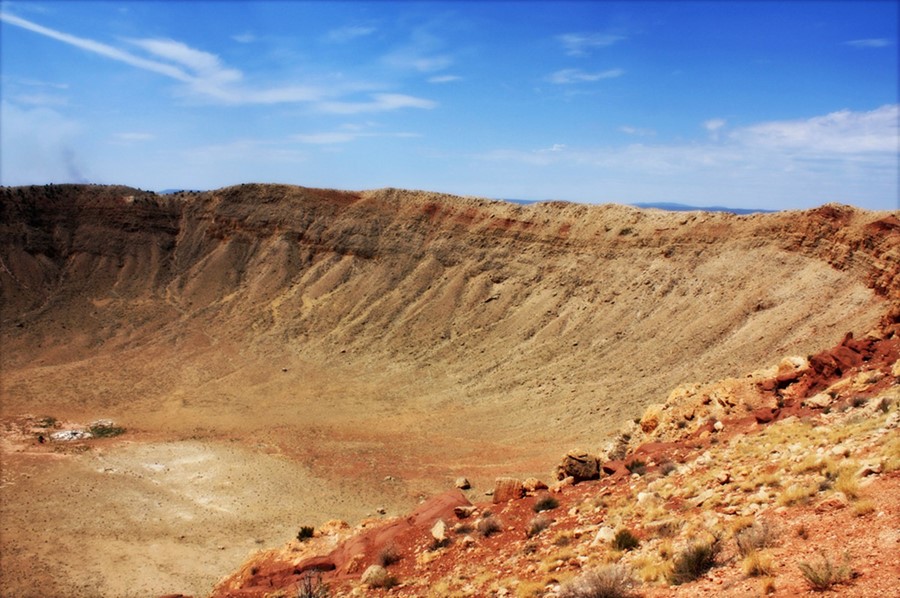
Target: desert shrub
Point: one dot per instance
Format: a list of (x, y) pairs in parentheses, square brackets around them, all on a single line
[(105, 430), (537, 525), (438, 544), (636, 466), (464, 528), (311, 586), (858, 402), (306, 532), (667, 468), (863, 508), (694, 561), (48, 421), (545, 503), (625, 540), (386, 583), (613, 581), (823, 575), (758, 564), (759, 535), (388, 556), (488, 526)]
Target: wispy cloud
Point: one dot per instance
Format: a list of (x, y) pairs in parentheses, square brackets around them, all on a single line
[(569, 76), (344, 136), (637, 131), (444, 79), (131, 137), (423, 53), (714, 125), (380, 102), (345, 34), (873, 42), (206, 76), (579, 44), (244, 38)]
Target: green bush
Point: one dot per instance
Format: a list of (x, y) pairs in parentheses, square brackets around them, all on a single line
[(306, 532)]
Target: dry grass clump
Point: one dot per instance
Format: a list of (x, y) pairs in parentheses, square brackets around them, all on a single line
[(625, 540), (758, 564), (545, 503), (612, 581), (489, 526), (796, 494), (761, 534), (537, 525), (847, 482), (863, 508), (823, 575), (388, 556), (694, 561)]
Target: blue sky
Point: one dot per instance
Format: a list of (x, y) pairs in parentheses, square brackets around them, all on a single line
[(747, 104)]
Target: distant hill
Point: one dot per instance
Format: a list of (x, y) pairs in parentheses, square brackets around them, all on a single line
[(680, 207), (669, 207)]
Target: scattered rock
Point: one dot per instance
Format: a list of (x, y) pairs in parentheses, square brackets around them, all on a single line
[(533, 485), (558, 486), (375, 575), (507, 489), (464, 512), (835, 502), (723, 478), (604, 535), (718, 426), (578, 465), (439, 530), (462, 483), (819, 401)]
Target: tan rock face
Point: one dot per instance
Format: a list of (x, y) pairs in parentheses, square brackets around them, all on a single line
[(579, 465), (507, 489)]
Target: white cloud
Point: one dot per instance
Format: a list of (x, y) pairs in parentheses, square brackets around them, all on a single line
[(349, 33), (444, 79), (207, 69), (569, 76), (578, 44), (841, 133), (874, 42), (381, 102), (843, 156), (345, 135)]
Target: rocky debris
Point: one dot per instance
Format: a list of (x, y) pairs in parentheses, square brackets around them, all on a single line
[(462, 483), (507, 489), (70, 435), (578, 465)]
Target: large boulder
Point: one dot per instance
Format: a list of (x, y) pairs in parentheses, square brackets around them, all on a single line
[(579, 465), (506, 489)]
